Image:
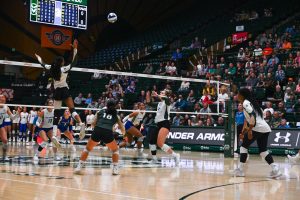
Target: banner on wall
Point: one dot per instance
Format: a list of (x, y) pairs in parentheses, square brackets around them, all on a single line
[(54, 37), (238, 38), (278, 138)]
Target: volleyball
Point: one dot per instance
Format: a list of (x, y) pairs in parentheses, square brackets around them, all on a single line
[(112, 17)]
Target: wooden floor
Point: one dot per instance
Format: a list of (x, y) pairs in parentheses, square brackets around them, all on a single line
[(199, 176)]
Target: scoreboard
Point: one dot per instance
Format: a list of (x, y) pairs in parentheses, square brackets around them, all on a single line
[(66, 13)]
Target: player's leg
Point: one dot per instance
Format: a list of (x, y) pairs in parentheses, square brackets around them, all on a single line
[(43, 144), (113, 146), (153, 133), (3, 136), (140, 138), (69, 135)]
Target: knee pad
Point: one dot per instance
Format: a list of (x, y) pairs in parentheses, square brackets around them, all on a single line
[(57, 104), (141, 139), (115, 152), (264, 154), (74, 113), (243, 150), (44, 144), (152, 147), (165, 148)]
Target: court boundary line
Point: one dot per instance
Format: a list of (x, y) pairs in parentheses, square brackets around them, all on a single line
[(229, 184), (78, 189)]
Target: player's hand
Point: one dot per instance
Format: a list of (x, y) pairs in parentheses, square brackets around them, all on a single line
[(75, 44), (250, 136), (39, 58)]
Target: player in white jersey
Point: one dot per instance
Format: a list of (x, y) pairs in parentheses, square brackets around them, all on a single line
[(15, 125), (59, 73), (132, 122), (4, 111), (32, 115), (255, 128), (45, 124), (159, 134), (89, 118), (23, 125), (7, 125)]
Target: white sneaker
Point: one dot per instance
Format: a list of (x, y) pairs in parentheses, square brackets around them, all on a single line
[(177, 159), (293, 159), (77, 170), (275, 172), (5, 159), (141, 154), (115, 170), (238, 173), (82, 131), (56, 142), (57, 158), (154, 161)]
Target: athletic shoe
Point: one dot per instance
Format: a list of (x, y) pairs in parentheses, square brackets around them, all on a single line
[(275, 172), (57, 158), (238, 173), (177, 159), (154, 161), (82, 131), (5, 159), (141, 154), (115, 170), (293, 159), (77, 170), (56, 142)]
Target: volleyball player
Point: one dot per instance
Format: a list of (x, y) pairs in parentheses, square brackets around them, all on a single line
[(23, 125), (255, 128), (4, 111), (45, 124), (15, 125), (294, 159), (59, 73), (7, 125), (162, 120), (104, 121), (132, 121), (32, 115), (65, 126)]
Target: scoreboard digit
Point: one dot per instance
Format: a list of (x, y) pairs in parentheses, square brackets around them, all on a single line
[(66, 13)]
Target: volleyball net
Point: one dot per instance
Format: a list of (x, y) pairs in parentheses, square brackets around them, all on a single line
[(195, 103)]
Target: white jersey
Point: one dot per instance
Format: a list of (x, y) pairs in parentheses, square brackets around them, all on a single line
[(261, 125), (3, 114), (62, 82), (136, 120), (7, 118), (48, 119), (24, 117), (90, 119), (163, 112), (16, 120), (33, 114)]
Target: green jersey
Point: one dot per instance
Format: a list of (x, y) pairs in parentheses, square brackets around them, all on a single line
[(105, 120)]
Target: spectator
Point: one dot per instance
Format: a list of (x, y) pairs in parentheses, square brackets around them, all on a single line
[(130, 89), (161, 70), (268, 117), (176, 55), (197, 108), (297, 107), (286, 45), (205, 108), (231, 70), (148, 69), (287, 94), (297, 59), (283, 124), (241, 55), (273, 59), (263, 39), (261, 81), (89, 118), (142, 97), (251, 80), (181, 103), (290, 103), (185, 121), (278, 95), (177, 119), (208, 122), (171, 70), (191, 98), (276, 120), (269, 107), (210, 90), (184, 87), (220, 121), (257, 51), (196, 120), (291, 84), (281, 109), (297, 90), (113, 81), (280, 74), (79, 100), (88, 99), (93, 104)]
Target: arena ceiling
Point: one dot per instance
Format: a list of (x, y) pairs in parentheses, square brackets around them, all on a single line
[(23, 37)]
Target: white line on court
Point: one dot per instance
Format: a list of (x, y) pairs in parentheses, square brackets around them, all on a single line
[(69, 188)]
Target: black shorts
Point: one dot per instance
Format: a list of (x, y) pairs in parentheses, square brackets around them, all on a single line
[(102, 134), (61, 94), (261, 140), (164, 124)]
